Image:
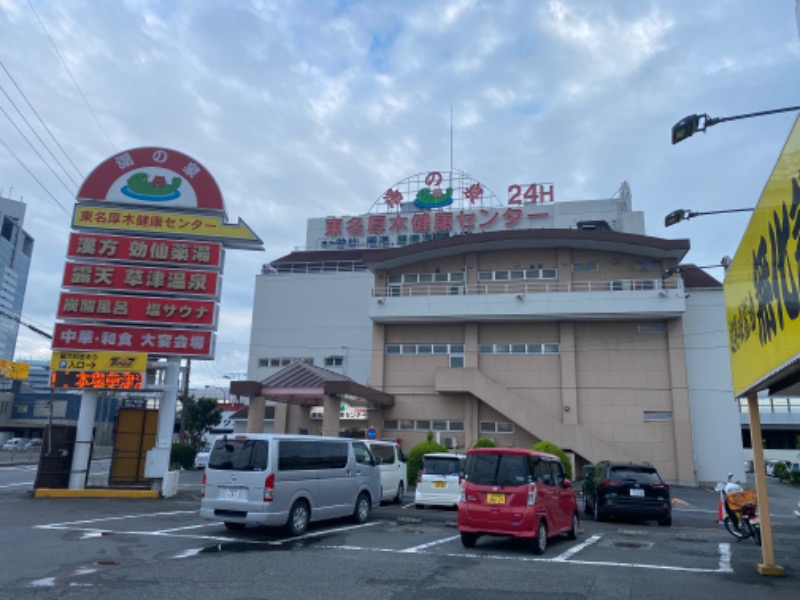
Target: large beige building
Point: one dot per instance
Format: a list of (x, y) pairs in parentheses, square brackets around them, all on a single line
[(570, 334)]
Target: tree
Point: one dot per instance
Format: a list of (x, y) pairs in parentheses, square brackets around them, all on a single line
[(551, 448), (198, 416)]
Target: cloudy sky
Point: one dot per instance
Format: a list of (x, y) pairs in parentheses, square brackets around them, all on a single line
[(312, 108)]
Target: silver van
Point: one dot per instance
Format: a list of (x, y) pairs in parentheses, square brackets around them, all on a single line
[(288, 480)]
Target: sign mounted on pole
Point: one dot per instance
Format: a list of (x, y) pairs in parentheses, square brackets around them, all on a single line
[(762, 285), (98, 361)]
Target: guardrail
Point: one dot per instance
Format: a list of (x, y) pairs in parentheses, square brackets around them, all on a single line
[(527, 287)]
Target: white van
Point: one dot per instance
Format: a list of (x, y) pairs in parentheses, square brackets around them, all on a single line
[(393, 469), (288, 480)]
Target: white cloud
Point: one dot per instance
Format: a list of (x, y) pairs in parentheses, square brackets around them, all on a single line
[(304, 109)]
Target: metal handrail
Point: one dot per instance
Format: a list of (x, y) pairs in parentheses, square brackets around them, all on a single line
[(528, 287)]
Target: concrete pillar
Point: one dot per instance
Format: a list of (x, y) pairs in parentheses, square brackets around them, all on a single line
[(471, 341), (255, 414), (681, 415), (83, 440), (281, 417), (330, 417)]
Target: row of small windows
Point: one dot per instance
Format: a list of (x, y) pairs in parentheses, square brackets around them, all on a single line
[(518, 274), (283, 362), (519, 349), (457, 276), (423, 425), (496, 427), (425, 349)]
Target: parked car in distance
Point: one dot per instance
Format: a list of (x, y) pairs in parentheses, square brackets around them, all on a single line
[(516, 492), (393, 469), (33, 443), (201, 458), (15, 443), (439, 480), (634, 490)]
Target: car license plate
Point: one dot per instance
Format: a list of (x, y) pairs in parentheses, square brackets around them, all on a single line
[(635, 492), (439, 484), (230, 493), (495, 498)]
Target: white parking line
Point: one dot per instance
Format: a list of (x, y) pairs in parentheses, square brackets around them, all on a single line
[(428, 545), (724, 551), (67, 524), (575, 549)]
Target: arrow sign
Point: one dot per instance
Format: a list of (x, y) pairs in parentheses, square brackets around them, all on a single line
[(89, 215)]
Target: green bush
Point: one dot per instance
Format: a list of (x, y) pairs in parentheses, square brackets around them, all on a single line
[(414, 462), (795, 477), (485, 442), (781, 471), (551, 448), (182, 455)]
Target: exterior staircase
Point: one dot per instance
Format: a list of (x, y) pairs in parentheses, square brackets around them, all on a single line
[(572, 437)]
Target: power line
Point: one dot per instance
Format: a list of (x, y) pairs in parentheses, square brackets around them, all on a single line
[(31, 327), (66, 68), (46, 128), (36, 179), (69, 191)]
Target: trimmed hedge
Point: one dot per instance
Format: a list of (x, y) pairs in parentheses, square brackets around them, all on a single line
[(485, 442), (551, 448), (414, 462)]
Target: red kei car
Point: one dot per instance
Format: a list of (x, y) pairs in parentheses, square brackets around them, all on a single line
[(516, 492)]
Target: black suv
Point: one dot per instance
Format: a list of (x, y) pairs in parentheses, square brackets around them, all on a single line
[(633, 490)]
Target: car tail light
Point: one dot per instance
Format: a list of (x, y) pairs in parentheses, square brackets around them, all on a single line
[(269, 487), (661, 486), (531, 494), (203, 486), (420, 473), (610, 482)]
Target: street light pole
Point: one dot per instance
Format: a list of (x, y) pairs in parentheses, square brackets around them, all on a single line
[(688, 126), (676, 216)]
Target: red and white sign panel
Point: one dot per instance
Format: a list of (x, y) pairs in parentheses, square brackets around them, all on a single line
[(154, 177), (151, 280), (145, 250), (192, 343), (157, 310)]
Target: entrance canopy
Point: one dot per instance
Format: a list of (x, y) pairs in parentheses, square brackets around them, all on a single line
[(307, 385)]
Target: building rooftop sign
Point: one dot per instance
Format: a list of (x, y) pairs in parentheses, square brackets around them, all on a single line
[(762, 285)]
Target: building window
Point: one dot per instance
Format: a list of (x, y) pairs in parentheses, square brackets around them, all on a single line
[(584, 267), (334, 361), (423, 425), (283, 362), (519, 349), (517, 274), (496, 427), (657, 416)]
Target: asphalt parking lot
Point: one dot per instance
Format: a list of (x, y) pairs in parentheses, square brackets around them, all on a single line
[(73, 543)]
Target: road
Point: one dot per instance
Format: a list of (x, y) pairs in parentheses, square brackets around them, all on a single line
[(129, 549)]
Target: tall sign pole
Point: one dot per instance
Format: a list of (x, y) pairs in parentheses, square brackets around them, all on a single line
[(144, 275)]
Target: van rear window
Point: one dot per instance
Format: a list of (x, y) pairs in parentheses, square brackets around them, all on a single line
[(238, 455), (498, 469)]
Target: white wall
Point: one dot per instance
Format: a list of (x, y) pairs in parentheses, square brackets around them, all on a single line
[(716, 428), (313, 315)]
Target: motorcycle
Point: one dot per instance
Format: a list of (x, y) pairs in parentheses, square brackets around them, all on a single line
[(740, 510)]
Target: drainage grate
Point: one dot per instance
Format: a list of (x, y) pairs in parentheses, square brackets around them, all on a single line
[(634, 545)]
